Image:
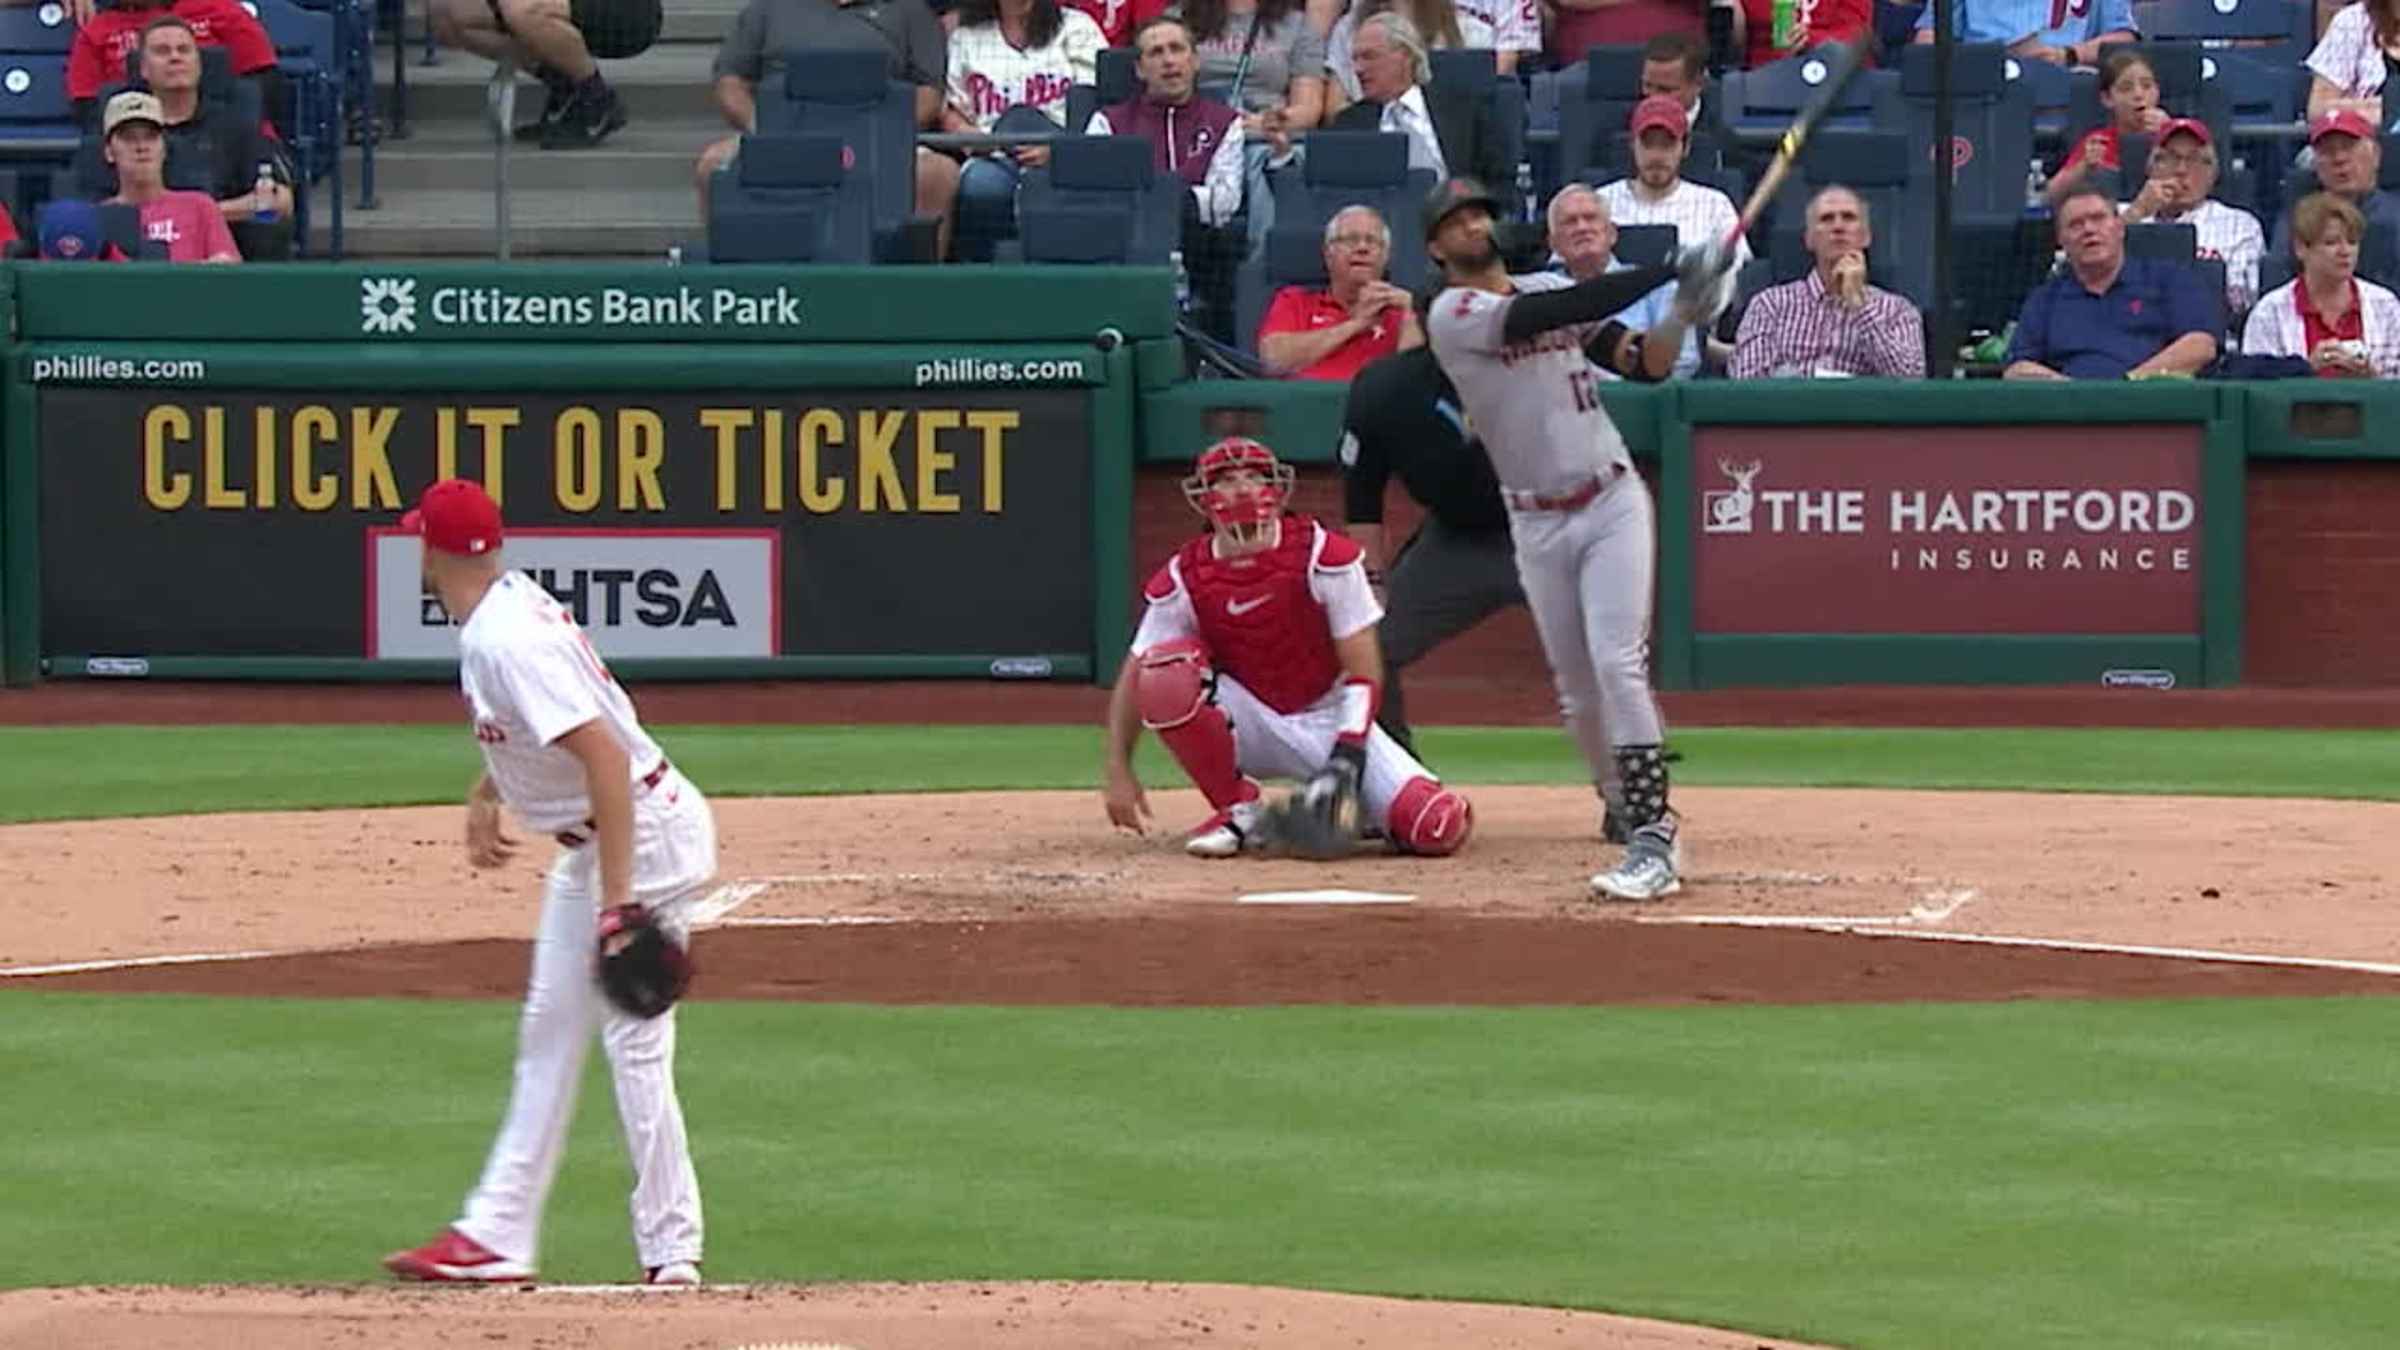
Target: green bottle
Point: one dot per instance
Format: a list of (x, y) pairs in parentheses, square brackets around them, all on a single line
[(1787, 25)]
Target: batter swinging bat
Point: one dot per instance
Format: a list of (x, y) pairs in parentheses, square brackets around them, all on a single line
[(1842, 63)]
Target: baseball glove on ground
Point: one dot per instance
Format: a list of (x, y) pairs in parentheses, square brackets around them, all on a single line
[(1320, 820), (643, 970)]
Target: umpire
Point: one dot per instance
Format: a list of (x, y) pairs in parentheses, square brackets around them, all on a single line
[(1460, 567)]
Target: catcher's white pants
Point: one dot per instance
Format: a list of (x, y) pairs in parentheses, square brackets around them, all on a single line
[(1269, 744), (674, 855)]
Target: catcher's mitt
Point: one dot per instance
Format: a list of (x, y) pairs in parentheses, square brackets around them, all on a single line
[(642, 968), (1320, 821)]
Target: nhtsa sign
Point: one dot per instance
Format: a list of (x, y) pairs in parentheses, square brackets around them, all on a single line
[(639, 593), (400, 307)]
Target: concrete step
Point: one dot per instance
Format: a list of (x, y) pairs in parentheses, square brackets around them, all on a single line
[(592, 222), (668, 82), (447, 158)]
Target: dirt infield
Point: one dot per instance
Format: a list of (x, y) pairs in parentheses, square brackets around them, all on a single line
[(1028, 898)]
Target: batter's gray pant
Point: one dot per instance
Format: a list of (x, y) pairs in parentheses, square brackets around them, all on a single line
[(1587, 576), (1444, 582)]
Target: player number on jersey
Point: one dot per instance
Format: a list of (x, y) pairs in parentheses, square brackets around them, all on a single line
[(1585, 384)]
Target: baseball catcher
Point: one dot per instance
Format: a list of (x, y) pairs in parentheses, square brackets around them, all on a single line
[(1257, 658)]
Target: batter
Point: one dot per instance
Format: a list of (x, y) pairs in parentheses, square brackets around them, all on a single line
[(1257, 657), (1521, 351), (564, 751)]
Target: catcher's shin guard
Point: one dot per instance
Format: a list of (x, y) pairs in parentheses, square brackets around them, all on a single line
[(1173, 694), (1429, 819)]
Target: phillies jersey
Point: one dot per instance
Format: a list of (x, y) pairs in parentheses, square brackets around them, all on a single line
[(1535, 404), (1270, 619), (531, 676)]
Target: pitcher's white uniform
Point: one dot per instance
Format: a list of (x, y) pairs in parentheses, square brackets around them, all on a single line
[(1580, 516), (530, 676)]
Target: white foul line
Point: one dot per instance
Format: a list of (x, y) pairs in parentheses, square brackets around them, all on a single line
[(1891, 928), (128, 963)]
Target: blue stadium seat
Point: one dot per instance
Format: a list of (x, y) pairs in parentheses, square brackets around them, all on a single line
[(1290, 257), (2049, 90), (790, 198), (38, 134), (1645, 245), (1106, 173), (1991, 124), (1074, 234), (1117, 80), (1769, 96), (2290, 24), (2257, 87), (1474, 72), (848, 93), (2158, 239), (43, 28), (1360, 168)]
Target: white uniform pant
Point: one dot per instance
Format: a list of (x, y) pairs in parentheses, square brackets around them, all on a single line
[(674, 855), (1587, 576), (1269, 744)]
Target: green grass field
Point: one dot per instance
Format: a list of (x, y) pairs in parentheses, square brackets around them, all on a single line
[(2206, 1174)]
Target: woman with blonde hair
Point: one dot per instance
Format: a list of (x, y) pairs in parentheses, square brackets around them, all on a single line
[(2342, 325)]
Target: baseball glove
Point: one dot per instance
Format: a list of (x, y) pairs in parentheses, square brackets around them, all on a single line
[(643, 969), (1320, 821)]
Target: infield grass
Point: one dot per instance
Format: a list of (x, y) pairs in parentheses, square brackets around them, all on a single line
[(2194, 1174), (70, 773)]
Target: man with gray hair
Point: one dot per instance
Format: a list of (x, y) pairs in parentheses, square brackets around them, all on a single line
[(1584, 238), (1448, 132), (1831, 322), (1329, 334)]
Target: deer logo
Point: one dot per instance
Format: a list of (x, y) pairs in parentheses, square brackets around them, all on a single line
[(1729, 510)]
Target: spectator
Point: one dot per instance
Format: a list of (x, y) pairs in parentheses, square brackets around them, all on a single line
[(2129, 95), (1330, 334), (206, 145), (71, 232), (1770, 30), (1262, 57), (96, 58), (1448, 132), (1658, 193), (1585, 241), (1117, 20), (1675, 65), (557, 40), (2349, 159), (1195, 138), (134, 131), (1011, 64), (917, 53), (2110, 317), (1581, 25), (1516, 33), (2341, 324), (2040, 30), (2183, 171), (1443, 25), (1831, 322), (2351, 60)]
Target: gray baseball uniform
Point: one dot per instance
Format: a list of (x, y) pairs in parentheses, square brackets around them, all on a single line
[(1582, 522)]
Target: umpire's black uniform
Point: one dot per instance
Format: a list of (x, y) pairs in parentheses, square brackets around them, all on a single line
[(1404, 418)]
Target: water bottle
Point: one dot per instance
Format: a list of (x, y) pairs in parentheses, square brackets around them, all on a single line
[(1525, 193), (1183, 284), (262, 195), (2034, 183), (1786, 32)]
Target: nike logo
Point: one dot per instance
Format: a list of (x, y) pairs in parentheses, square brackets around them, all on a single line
[(1238, 608)]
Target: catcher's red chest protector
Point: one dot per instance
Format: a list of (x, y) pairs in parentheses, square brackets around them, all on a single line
[(1260, 621)]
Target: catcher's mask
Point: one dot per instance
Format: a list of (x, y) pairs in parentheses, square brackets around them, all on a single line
[(1241, 488)]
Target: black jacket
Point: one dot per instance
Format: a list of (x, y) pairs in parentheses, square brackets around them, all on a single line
[(1462, 125)]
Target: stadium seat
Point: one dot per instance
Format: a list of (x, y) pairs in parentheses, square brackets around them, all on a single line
[(1645, 245), (1769, 96), (1474, 72), (2049, 90), (1073, 234), (1991, 124), (2290, 24), (790, 198), (2159, 239), (848, 94), (1104, 174), (44, 27), (1360, 168)]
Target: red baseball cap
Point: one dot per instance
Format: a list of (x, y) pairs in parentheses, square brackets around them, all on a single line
[(1658, 110), (456, 516), (2341, 122), (2184, 126)]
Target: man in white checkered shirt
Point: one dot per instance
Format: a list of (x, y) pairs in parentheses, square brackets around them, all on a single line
[(1831, 322), (2183, 171), (1658, 194)]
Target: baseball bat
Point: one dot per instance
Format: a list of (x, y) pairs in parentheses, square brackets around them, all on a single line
[(1843, 61)]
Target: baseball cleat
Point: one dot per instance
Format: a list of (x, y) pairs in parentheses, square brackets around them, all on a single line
[(674, 1272), (1229, 832), (1641, 874), (454, 1258)]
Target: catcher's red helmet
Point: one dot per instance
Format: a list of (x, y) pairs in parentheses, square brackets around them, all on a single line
[(1239, 485)]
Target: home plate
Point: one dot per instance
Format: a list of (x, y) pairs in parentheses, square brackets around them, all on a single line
[(1335, 897)]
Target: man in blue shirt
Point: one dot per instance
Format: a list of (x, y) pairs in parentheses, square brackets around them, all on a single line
[(2066, 32), (2110, 317)]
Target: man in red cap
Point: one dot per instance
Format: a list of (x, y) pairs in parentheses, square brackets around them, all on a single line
[(564, 752), (2349, 157), (1659, 194), (2183, 172)]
